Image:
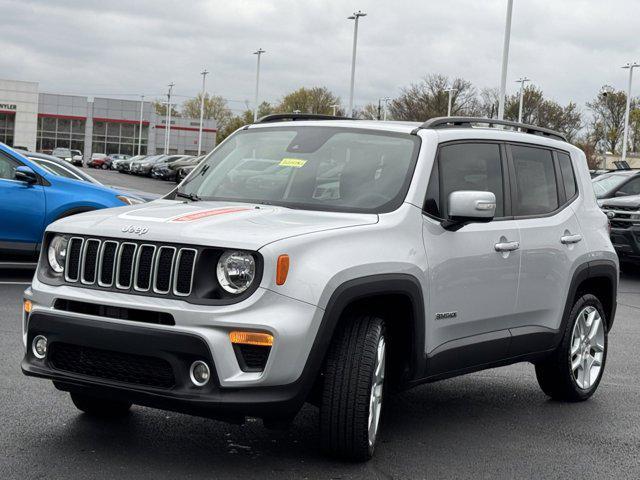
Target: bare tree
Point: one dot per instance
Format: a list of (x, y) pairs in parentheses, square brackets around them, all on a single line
[(608, 116)]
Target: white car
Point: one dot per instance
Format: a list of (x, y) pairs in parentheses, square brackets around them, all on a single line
[(379, 256)]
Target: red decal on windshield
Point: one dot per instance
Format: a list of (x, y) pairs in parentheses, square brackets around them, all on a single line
[(208, 213)]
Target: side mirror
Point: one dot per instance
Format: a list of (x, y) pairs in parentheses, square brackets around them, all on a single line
[(469, 206), (26, 174)]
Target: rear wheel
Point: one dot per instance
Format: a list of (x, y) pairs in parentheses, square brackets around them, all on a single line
[(574, 370), (105, 166), (353, 389), (100, 407)]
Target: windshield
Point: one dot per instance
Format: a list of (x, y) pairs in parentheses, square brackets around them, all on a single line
[(321, 168), (606, 183)]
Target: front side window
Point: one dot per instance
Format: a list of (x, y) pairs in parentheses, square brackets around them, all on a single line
[(536, 190), (465, 166), (607, 182), (7, 167), (632, 187), (322, 168)]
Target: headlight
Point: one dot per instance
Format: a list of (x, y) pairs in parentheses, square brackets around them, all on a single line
[(236, 271), (129, 200), (57, 253)]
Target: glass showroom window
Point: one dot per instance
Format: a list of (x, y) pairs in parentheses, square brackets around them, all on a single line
[(60, 132), (7, 127), (118, 137)]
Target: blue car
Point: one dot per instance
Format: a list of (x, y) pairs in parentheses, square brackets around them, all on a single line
[(31, 197)]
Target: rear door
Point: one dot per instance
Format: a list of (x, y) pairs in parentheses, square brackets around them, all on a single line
[(551, 242), (472, 285), (22, 210)]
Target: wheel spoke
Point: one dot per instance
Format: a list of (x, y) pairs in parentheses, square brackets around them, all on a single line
[(598, 347), (595, 326), (575, 364), (575, 347)]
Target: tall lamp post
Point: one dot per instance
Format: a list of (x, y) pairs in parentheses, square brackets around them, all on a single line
[(382, 110), (259, 53), (505, 60), (355, 17), (630, 66), (204, 76), (140, 126), (521, 81), (168, 129), (450, 91)]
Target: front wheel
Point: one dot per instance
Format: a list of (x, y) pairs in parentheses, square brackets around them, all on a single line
[(353, 389), (100, 407), (574, 370), (105, 166)]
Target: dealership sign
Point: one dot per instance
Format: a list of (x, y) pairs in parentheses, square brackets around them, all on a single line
[(8, 106)]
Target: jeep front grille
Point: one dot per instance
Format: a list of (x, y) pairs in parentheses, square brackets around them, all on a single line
[(131, 266)]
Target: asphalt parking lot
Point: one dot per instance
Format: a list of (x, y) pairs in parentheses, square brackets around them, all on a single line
[(493, 424), (144, 184)]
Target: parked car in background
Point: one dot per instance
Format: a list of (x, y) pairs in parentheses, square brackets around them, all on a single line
[(178, 165), (125, 165), (183, 172), (100, 160), (163, 170), (144, 166), (619, 183), (117, 158), (71, 156), (32, 196), (60, 167), (623, 213)]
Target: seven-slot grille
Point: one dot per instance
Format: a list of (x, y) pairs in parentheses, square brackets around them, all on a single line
[(140, 267)]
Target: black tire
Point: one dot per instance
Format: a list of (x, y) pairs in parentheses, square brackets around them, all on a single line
[(554, 374), (105, 166), (100, 407), (348, 378)]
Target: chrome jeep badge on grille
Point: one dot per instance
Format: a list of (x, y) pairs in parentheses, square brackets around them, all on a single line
[(134, 229)]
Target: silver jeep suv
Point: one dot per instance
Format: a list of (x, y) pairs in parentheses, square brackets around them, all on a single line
[(331, 261)]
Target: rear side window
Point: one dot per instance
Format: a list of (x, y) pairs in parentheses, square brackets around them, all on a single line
[(465, 166), (536, 189), (568, 176)]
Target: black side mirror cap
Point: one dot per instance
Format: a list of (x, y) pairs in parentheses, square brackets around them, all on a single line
[(26, 174)]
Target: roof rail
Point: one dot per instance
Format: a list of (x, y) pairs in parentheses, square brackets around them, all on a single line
[(285, 117), (452, 122)]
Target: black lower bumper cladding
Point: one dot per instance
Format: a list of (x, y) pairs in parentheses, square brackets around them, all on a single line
[(148, 367)]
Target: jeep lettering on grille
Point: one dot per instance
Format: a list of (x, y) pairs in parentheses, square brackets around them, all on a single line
[(134, 229)]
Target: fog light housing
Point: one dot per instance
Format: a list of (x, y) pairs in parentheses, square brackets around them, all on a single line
[(199, 373), (39, 346)]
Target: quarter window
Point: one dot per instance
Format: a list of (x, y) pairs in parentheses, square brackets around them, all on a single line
[(465, 166), (568, 177), (536, 189)]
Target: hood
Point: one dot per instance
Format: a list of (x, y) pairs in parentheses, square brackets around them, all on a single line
[(221, 224), (626, 201)]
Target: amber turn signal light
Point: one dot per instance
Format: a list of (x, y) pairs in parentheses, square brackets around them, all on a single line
[(27, 306), (251, 338), (282, 269)]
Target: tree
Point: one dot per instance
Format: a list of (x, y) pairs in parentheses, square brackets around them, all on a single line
[(309, 100), (488, 105), (608, 110), (368, 112), (215, 107), (428, 99), (265, 108), (536, 110), (160, 107)]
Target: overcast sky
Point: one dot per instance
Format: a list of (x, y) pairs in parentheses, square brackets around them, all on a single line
[(122, 48)]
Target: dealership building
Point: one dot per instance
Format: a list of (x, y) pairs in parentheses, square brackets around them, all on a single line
[(43, 121)]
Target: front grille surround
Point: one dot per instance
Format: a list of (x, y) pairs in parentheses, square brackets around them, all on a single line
[(178, 271)]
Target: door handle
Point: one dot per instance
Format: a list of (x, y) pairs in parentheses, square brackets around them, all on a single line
[(569, 239), (507, 246)]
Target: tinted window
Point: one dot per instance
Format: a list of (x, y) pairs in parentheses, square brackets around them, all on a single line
[(568, 177), (605, 183), (465, 166), (7, 167), (631, 188), (55, 168), (535, 181)]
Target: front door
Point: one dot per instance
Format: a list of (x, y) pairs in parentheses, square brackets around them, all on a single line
[(473, 272), (22, 211)]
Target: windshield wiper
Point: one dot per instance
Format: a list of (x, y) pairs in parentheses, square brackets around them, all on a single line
[(191, 196)]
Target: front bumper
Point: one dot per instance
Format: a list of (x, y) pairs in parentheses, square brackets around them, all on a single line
[(626, 242), (200, 332), (163, 174)]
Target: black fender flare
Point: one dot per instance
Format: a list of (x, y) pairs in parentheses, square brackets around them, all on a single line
[(594, 269)]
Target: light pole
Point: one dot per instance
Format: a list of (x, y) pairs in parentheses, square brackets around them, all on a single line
[(505, 60), (259, 53), (386, 106), (140, 126), (521, 81), (630, 66), (204, 76), (356, 16), (168, 129), (450, 90), (382, 111), (334, 106)]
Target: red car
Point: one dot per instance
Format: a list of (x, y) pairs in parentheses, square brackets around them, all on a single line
[(100, 160)]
